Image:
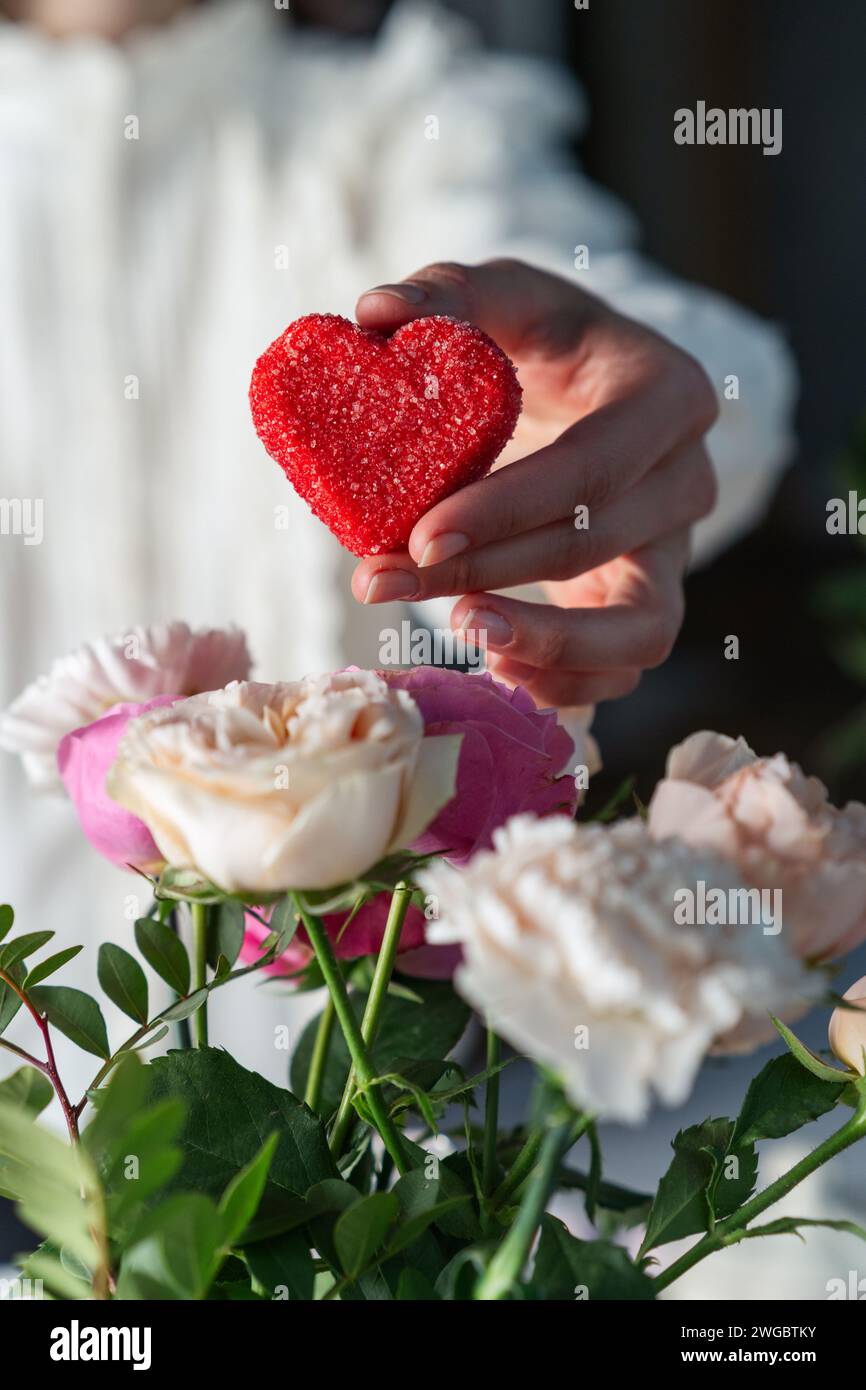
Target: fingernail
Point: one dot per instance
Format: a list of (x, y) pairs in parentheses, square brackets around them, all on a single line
[(411, 294), (496, 629), (386, 586), (444, 547)]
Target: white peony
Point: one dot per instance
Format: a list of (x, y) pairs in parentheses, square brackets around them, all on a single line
[(131, 667), (572, 951), (263, 788)]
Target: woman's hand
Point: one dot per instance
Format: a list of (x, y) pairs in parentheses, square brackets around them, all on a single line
[(613, 421)]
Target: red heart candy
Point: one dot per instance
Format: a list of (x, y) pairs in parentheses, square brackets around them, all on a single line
[(373, 431)]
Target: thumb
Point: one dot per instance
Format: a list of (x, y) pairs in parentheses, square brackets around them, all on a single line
[(510, 300)]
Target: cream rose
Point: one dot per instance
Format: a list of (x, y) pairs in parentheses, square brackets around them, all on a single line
[(778, 828), (571, 949), (263, 788), (132, 667)]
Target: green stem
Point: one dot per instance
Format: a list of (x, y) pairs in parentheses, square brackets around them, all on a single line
[(520, 1170), (491, 1115), (400, 900), (527, 1159), (199, 915), (733, 1228), (184, 1032), (361, 1059), (508, 1263), (319, 1059)]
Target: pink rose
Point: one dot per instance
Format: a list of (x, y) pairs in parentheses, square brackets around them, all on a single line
[(83, 759), (362, 937), (512, 756), (778, 827)]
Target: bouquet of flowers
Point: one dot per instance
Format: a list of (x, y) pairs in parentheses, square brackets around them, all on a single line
[(406, 845)]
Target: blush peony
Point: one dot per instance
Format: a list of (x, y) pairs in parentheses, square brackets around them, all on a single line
[(572, 952), (778, 828), (132, 667)]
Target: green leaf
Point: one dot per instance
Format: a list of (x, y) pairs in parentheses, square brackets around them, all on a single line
[(76, 1014), (406, 1031), (616, 1207), (284, 922), (56, 1187), (226, 931), (593, 1184), (175, 1252), (164, 952), (283, 1262), (598, 1270), (240, 1201), (57, 1278), (115, 1106), (415, 1287), (807, 1059), (21, 947), (790, 1225), (123, 981), (362, 1229), (423, 1202), (10, 1002), (682, 1205), (48, 966), (28, 1089), (184, 1008), (230, 1114), (782, 1098), (7, 917)]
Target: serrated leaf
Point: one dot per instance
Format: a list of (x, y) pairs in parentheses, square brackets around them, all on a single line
[(76, 1014), (284, 1261), (230, 1113), (567, 1268), (51, 964), (164, 952), (22, 946), (682, 1206), (782, 1098), (123, 981), (28, 1089), (362, 1229)]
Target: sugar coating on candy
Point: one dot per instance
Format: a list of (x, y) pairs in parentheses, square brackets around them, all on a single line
[(372, 431)]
